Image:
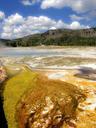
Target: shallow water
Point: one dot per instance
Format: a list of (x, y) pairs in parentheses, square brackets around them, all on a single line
[(29, 52), (74, 52)]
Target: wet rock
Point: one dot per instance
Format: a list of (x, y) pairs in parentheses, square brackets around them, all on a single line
[(87, 73), (49, 104)]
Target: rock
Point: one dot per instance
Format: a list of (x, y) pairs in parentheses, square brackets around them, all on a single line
[(87, 73), (3, 74), (49, 104)]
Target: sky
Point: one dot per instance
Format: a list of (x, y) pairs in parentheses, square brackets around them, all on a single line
[(20, 18)]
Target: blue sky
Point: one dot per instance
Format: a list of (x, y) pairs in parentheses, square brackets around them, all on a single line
[(19, 18)]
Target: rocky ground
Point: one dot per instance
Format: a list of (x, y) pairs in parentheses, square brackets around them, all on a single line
[(62, 98), (51, 104), (63, 101), (3, 74)]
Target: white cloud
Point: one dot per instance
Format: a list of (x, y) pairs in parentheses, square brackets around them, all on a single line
[(29, 2), (26, 2), (77, 25), (79, 6), (2, 15), (85, 7), (91, 15), (16, 26), (76, 18), (14, 19)]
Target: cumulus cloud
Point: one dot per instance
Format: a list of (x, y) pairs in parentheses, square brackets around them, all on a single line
[(2, 15), (79, 6), (16, 26), (77, 25), (29, 2), (14, 19)]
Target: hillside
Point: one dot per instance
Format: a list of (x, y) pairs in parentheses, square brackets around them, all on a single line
[(3, 42), (61, 37)]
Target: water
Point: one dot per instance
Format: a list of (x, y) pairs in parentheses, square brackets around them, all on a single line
[(73, 52), (28, 52)]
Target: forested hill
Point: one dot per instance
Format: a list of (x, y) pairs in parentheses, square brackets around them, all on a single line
[(3, 42), (60, 37)]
